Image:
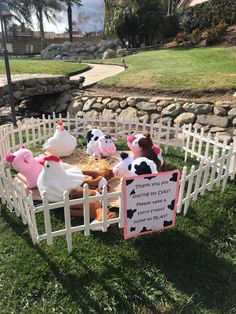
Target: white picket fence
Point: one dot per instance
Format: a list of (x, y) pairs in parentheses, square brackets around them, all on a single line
[(217, 162)]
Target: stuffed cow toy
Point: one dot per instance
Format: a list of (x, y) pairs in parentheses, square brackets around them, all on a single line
[(99, 145)]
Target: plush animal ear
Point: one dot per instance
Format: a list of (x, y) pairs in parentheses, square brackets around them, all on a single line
[(131, 138), (27, 157), (23, 146), (148, 137), (124, 155)]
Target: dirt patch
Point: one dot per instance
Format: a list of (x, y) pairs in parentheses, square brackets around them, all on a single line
[(200, 96)]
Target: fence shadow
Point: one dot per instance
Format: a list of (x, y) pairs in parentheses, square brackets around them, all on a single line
[(192, 268)]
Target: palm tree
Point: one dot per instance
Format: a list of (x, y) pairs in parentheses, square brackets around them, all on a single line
[(69, 4), (115, 11), (47, 8), (20, 10)]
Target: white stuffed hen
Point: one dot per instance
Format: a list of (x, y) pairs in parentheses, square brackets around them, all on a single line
[(57, 177), (62, 143)]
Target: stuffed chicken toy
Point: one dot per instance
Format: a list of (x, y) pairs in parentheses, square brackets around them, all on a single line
[(24, 162), (142, 146), (56, 178), (99, 145), (62, 143)]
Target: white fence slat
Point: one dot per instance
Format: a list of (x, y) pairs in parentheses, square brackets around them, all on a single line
[(189, 189), (227, 169), (86, 210), (205, 176), (198, 178), (47, 219), (121, 207), (67, 221), (104, 208), (181, 189)]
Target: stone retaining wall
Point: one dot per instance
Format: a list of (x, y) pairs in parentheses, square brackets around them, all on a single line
[(214, 117), (34, 86)]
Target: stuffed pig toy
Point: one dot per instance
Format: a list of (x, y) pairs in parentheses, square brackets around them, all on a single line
[(23, 161)]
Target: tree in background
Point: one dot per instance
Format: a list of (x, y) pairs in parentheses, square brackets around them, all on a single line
[(136, 21), (45, 8), (69, 5)]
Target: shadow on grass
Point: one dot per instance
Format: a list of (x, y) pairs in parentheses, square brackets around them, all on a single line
[(185, 262)]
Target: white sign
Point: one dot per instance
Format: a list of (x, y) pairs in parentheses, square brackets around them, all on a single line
[(150, 202)]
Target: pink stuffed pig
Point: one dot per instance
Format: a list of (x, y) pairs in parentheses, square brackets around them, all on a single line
[(24, 162)]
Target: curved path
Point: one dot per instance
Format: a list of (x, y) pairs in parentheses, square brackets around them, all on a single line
[(98, 72)]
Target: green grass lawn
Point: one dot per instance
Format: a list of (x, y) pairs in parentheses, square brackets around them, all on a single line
[(43, 66), (194, 69), (186, 269)]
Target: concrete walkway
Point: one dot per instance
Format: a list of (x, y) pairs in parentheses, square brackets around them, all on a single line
[(98, 72)]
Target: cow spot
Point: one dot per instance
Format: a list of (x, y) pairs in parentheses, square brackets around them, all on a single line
[(89, 136), (167, 223), (142, 168), (172, 205), (124, 155), (174, 177), (128, 182), (129, 167), (130, 213), (132, 229), (145, 230), (132, 192), (149, 178)]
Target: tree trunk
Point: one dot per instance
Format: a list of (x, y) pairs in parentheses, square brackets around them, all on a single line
[(5, 28), (70, 26), (41, 28)]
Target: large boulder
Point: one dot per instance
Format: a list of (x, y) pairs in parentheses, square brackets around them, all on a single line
[(88, 104), (121, 53), (212, 120), (198, 108), (108, 54), (185, 118), (146, 106), (128, 113), (172, 110)]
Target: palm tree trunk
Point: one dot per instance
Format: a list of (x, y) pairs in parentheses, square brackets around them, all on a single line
[(41, 28), (70, 26)]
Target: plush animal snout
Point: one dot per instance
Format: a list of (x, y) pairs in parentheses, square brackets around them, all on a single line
[(9, 157)]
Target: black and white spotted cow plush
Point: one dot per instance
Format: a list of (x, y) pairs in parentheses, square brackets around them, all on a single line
[(143, 165), (129, 167), (99, 145)]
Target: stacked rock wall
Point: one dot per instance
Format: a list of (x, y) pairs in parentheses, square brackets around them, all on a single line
[(214, 117), (81, 50)]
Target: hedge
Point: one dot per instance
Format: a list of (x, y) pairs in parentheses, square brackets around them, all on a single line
[(208, 15)]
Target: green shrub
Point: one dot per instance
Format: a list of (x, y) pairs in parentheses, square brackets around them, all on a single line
[(214, 34), (195, 36), (182, 37), (207, 15)]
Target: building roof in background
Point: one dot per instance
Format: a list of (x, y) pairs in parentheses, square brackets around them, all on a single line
[(190, 3)]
